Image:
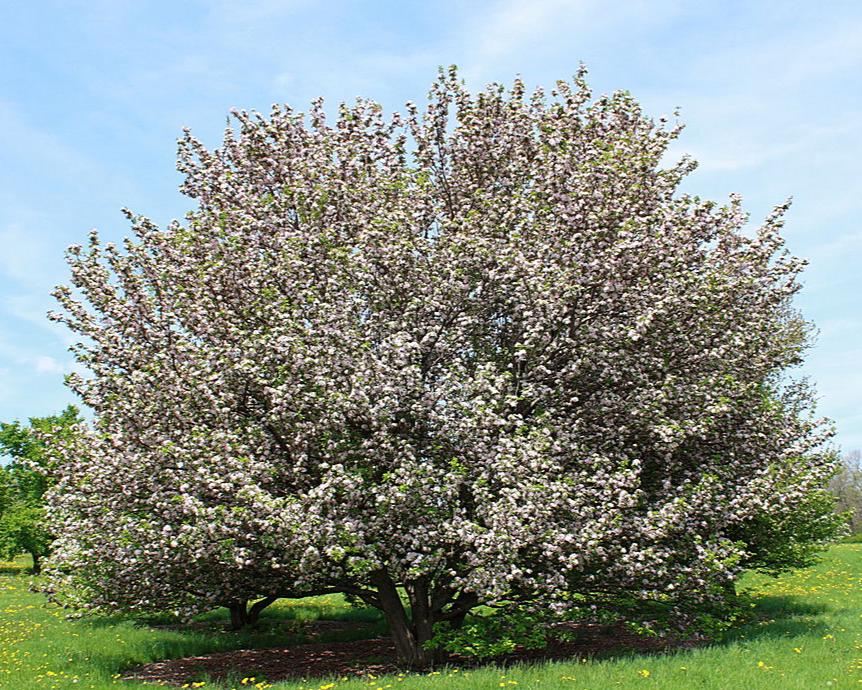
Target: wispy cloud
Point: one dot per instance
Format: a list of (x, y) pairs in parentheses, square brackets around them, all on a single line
[(48, 365), (252, 12), (510, 32), (803, 54), (36, 147), (40, 363), (24, 255), (32, 308), (7, 387), (512, 24)]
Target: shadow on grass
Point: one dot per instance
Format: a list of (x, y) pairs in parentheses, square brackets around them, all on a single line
[(774, 617), (178, 644), (298, 623), (286, 625), (780, 616)]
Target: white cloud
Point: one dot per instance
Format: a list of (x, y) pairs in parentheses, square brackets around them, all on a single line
[(514, 22), (375, 74), (846, 327), (33, 308), (252, 12), (735, 154), (789, 58), (513, 30), (26, 253), (20, 138), (16, 356), (48, 365), (5, 389), (283, 82), (842, 246)]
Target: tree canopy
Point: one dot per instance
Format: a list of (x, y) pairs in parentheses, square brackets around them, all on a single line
[(483, 352)]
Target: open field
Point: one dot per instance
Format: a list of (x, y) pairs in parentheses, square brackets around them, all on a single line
[(807, 633)]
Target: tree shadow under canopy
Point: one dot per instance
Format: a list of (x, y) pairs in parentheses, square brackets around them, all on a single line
[(285, 645)]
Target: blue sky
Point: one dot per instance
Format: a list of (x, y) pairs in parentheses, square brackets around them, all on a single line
[(94, 94)]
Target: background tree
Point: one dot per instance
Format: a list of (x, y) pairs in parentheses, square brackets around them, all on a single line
[(484, 353), (846, 485), (23, 482)]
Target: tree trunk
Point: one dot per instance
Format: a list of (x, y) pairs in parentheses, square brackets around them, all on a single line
[(37, 563), (252, 616), (237, 614), (409, 637), (242, 615), (421, 614)]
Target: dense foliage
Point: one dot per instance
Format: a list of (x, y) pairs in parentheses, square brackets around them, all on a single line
[(486, 352), (23, 482)]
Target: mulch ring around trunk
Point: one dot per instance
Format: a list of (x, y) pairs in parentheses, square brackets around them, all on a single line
[(377, 657)]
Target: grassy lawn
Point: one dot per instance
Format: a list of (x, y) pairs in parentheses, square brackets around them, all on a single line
[(808, 634)]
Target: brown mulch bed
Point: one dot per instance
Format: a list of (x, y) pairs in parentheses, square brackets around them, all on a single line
[(300, 661), (377, 656)]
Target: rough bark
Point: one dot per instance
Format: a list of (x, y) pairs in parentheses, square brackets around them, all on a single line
[(409, 633), (37, 563), (422, 617)]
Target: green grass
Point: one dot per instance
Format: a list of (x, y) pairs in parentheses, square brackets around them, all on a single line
[(807, 633)]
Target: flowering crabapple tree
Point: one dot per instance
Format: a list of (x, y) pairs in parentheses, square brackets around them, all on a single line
[(476, 353)]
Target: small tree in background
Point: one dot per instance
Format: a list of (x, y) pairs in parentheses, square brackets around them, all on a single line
[(486, 353), (23, 483), (846, 485)]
